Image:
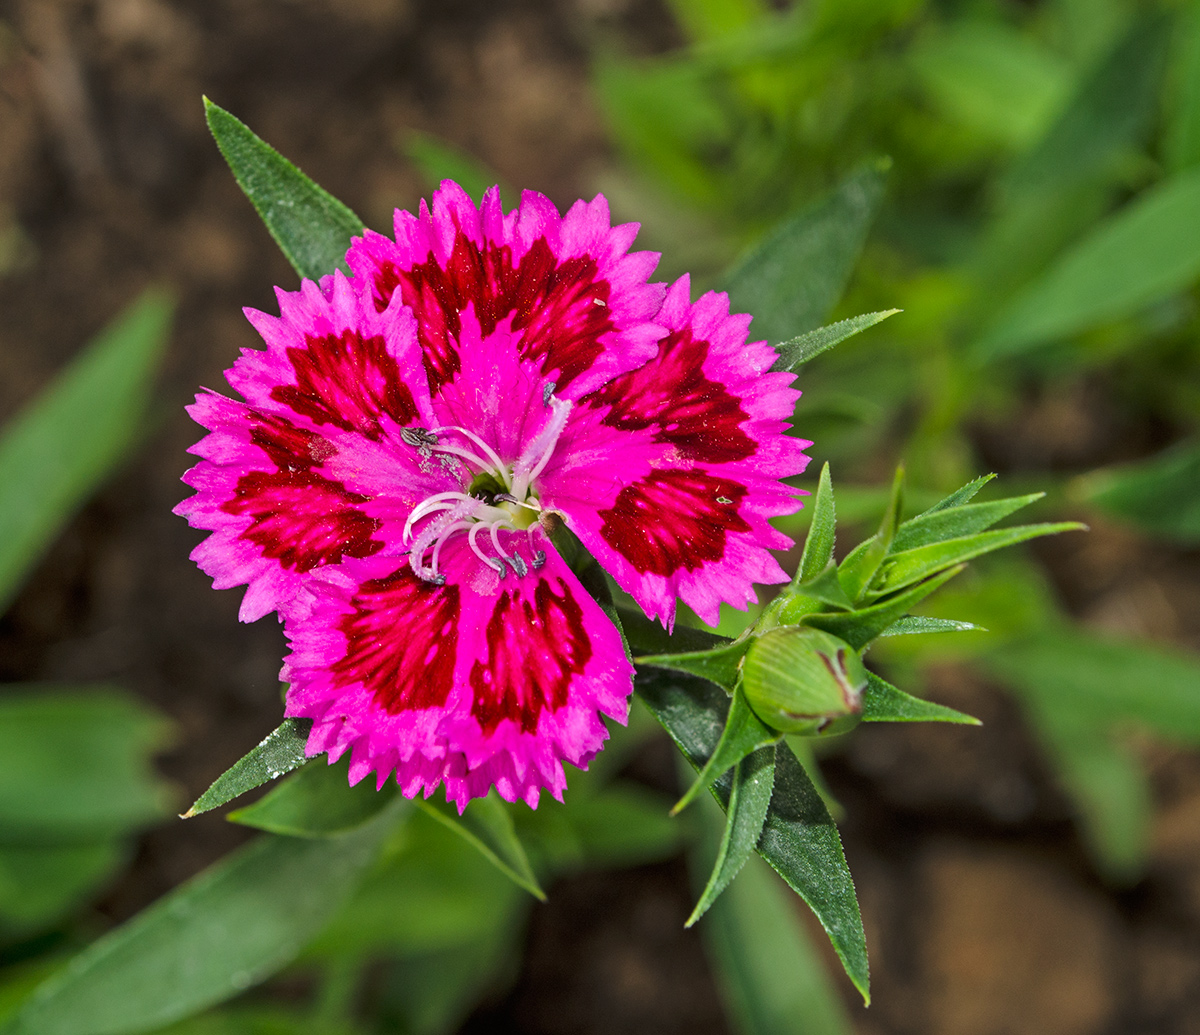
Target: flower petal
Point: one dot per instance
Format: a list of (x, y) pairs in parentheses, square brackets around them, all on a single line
[(493, 681)]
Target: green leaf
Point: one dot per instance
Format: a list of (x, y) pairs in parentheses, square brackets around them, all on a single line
[(76, 765), (63, 445), (318, 801), (649, 639), (279, 752), (858, 628), (231, 927), (856, 572), (720, 664), (744, 733), (437, 160), (39, 885), (749, 798), (312, 228), (913, 625), (799, 839), (1160, 495), (797, 351), (958, 498), (909, 566), (1181, 143), (957, 522), (1146, 252), (818, 546), (883, 702), (487, 826), (770, 975), (794, 277)]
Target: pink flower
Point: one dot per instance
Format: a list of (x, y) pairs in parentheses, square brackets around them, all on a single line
[(412, 433)]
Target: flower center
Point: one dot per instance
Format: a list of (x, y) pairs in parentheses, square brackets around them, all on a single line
[(499, 495)]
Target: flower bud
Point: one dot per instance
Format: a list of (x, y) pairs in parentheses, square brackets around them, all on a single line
[(801, 680)]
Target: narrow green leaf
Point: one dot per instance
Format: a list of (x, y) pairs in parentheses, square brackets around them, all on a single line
[(236, 924), (957, 522), (744, 733), (77, 765), (883, 702), (39, 885), (280, 752), (799, 838), (858, 628), (60, 448), (913, 625), (1182, 137), (909, 566), (317, 801), (818, 546), (797, 351), (312, 228), (1146, 252), (858, 569), (749, 798), (1160, 495), (958, 498), (794, 277), (649, 639), (720, 664), (438, 160), (772, 978), (488, 827)]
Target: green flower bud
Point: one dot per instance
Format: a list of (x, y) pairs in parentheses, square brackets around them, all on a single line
[(801, 680)]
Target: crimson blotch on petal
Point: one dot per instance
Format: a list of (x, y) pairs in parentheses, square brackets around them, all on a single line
[(412, 433)]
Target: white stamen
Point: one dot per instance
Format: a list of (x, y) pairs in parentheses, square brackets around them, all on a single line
[(500, 467), (541, 447), (431, 505)]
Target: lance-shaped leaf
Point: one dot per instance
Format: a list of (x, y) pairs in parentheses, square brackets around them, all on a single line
[(797, 351), (957, 522), (744, 733), (860, 627), (649, 639), (57, 451), (958, 498), (818, 545), (749, 797), (180, 955), (318, 801), (915, 625), (312, 228), (793, 278), (799, 838), (883, 702), (856, 572), (719, 664), (280, 752), (487, 825), (909, 566)]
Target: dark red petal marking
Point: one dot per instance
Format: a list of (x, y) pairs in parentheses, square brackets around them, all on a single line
[(290, 448), (696, 415), (401, 639), (302, 519), (674, 519), (560, 310), (348, 381), (534, 649)]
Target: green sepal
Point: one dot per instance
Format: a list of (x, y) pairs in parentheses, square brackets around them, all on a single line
[(825, 588), (312, 228), (857, 571), (797, 351), (883, 702), (281, 751), (749, 799), (317, 801), (744, 733), (860, 627), (487, 826)]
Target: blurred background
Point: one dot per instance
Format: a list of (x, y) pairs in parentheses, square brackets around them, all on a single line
[(1026, 174)]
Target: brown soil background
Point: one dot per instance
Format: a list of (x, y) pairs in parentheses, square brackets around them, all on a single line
[(983, 915)]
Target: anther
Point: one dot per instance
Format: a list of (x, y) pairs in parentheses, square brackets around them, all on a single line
[(539, 558), (547, 392), (419, 438), (519, 565)]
